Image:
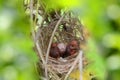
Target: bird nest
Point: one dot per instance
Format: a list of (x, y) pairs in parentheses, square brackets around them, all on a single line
[(59, 26), (60, 29)]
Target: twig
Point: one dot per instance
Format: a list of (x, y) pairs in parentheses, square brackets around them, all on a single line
[(74, 64), (31, 19), (40, 52), (81, 64)]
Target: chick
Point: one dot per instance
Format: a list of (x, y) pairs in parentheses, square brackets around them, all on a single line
[(54, 51), (62, 48), (71, 48)]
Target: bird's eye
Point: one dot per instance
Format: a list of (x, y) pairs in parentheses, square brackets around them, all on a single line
[(72, 45)]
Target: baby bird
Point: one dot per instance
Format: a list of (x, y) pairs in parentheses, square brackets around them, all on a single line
[(71, 48), (62, 48), (54, 51)]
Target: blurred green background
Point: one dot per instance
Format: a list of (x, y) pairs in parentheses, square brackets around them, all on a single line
[(17, 58)]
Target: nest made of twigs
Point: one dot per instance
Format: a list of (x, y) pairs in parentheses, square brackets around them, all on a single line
[(62, 28), (59, 26)]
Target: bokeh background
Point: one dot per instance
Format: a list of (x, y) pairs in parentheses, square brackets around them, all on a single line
[(100, 17)]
